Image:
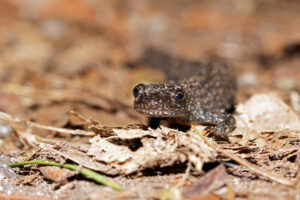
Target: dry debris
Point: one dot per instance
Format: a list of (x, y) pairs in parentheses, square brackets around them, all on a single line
[(214, 179), (62, 60), (134, 149)]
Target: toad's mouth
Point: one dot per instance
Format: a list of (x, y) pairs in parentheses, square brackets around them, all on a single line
[(160, 113)]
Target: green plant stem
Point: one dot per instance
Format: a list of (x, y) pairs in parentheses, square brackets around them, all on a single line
[(84, 171)]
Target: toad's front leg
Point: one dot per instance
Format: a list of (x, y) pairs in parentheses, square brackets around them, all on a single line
[(219, 123)]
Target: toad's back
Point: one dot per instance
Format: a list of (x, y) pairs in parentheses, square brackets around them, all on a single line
[(195, 91)]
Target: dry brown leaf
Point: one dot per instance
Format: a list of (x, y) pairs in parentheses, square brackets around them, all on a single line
[(56, 174), (135, 150), (212, 180)]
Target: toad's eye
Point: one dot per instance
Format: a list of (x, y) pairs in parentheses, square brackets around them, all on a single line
[(135, 92), (138, 89), (179, 95)]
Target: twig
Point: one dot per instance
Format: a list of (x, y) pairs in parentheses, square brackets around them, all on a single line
[(61, 130), (84, 171), (185, 176), (270, 175), (75, 114), (12, 121)]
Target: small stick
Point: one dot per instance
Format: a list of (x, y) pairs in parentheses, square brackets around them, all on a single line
[(256, 170), (11, 120), (61, 130), (185, 176)]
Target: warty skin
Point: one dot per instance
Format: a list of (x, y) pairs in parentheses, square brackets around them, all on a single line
[(198, 92)]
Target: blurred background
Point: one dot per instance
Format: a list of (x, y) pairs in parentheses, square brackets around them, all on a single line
[(62, 55)]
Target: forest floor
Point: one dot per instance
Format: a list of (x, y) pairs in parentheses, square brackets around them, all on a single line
[(66, 84)]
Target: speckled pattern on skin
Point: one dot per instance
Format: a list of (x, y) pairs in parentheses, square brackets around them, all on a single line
[(199, 92)]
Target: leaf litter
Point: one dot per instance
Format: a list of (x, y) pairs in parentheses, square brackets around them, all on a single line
[(123, 151), (54, 62)]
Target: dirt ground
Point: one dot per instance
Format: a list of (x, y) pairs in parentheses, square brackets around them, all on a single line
[(66, 80)]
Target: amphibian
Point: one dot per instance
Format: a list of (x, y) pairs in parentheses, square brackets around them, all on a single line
[(200, 92)]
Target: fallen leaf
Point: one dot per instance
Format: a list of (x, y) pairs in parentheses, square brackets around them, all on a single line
[(56, 174), (214, 179)]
